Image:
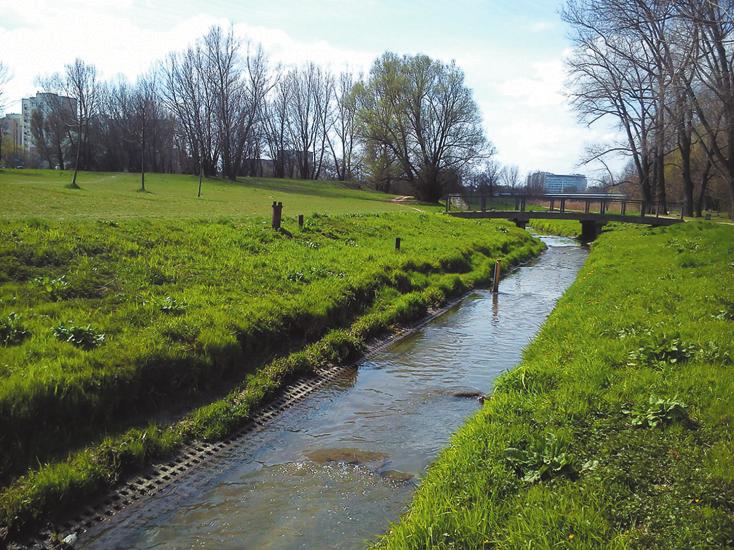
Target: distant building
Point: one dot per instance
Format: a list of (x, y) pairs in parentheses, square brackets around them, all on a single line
[(45, 103), (11, 139), (557, 183), (12, 128)]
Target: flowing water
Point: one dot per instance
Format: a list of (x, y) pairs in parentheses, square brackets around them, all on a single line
[(335, 469)]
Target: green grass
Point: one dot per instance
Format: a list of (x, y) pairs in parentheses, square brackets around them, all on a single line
[(564, 228), (108, 325), (616, 429), (43, 193)]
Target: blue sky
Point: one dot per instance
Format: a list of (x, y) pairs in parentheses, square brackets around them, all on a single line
[(511, 51)]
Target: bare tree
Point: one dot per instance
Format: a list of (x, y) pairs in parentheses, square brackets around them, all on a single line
[(511, 176), (665, 70), (80, 82), (613, 79), (714, 78), (275, 125), (344, 126), (311, 91)]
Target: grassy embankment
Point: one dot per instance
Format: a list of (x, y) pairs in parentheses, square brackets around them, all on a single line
[(564, 228), (110, 327), (616, 429)]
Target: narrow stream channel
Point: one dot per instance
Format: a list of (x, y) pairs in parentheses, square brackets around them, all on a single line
[(334, 470)]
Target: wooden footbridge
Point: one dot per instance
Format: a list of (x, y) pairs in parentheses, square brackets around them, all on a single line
[(592, 210)]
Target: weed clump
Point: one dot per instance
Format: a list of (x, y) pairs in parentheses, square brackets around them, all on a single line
[(541, 459), (12, 331), (659, 412), (84, 337)]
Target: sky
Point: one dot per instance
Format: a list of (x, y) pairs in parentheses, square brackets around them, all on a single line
[(512, 52)]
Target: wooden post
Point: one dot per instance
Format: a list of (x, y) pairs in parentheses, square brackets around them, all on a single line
[(587, 205), (643, 207), (552, 204), (300, 221), (497, 273), (397, 243), (623, 208), (563, 205), (448, 202), (522, 204), (277, 214)]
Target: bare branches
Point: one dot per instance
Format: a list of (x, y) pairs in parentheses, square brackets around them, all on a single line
[(665, 72)]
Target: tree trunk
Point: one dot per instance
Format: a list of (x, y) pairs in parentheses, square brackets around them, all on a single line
[(76, 164), (201, 176), (685, 150), (704, 183), (142, 160)]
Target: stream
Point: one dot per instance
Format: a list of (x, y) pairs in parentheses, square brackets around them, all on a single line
[(337, 468)]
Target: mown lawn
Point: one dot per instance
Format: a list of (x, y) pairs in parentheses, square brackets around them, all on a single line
[(108, 324), (43, 193), (616, 431)]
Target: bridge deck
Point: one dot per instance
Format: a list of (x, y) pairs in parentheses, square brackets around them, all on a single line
[(527, 215)]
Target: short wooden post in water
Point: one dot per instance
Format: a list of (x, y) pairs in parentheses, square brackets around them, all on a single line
[(300, 221), (397, 243), (497, 273), (277, 214)]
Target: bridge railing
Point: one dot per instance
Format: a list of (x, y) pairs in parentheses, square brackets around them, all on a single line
[(604, 204)]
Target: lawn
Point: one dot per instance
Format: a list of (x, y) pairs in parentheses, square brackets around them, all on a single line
[(43, 193), (616, 429)]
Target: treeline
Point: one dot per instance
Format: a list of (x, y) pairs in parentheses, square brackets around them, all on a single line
[(664, 70), (220, 108)]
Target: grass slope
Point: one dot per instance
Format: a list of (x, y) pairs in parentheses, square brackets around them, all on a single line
[(108, 324), (43, 193), (564, 228), (616, 429)]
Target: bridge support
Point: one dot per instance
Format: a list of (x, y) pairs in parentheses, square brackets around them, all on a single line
[(520, 223), (590, 229)]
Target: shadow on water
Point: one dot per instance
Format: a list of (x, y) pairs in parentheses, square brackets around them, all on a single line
[(334, 470)]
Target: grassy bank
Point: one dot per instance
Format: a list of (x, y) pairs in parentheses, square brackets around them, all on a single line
[(43, 193), (616, 429), (109, 324), (564, 228)]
